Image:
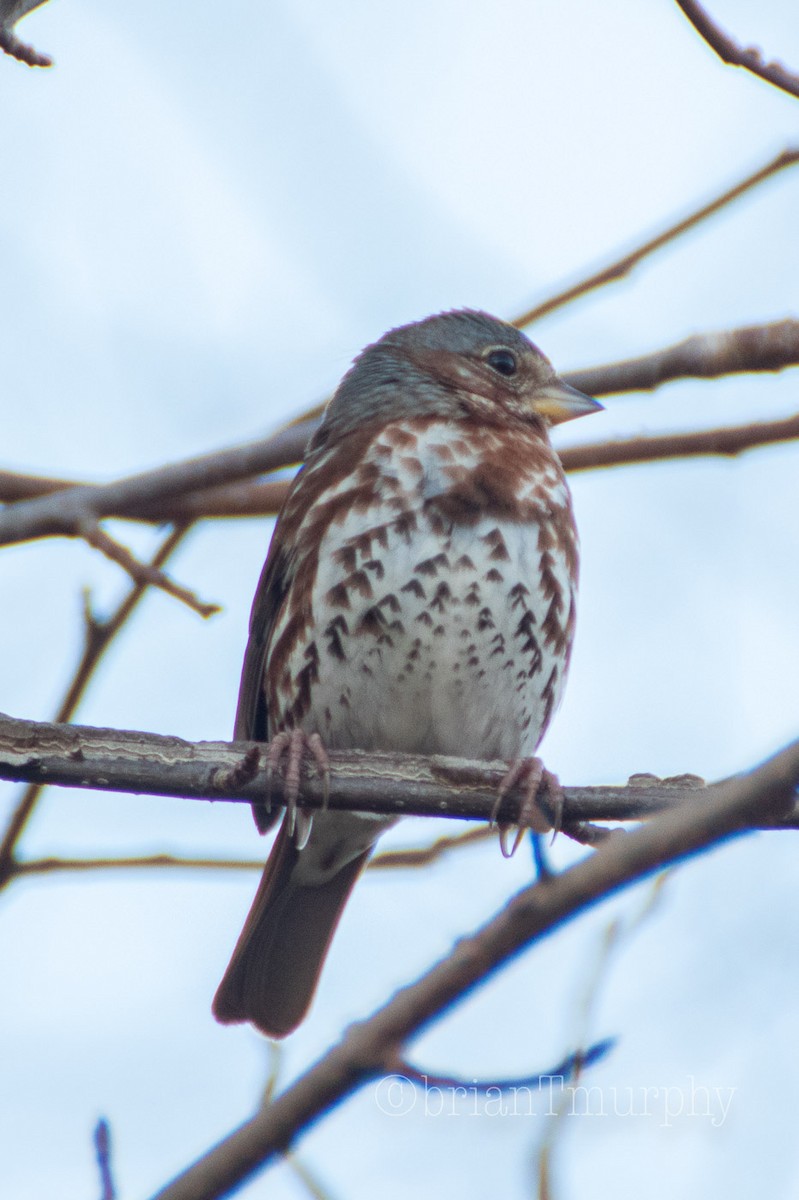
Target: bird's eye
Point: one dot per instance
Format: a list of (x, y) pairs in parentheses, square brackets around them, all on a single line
[(502, 361)]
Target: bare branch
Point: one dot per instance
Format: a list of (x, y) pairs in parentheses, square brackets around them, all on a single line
[(142, 573), (314, 1186), (102, 1147), (567, 1069), (734, 55), (367, 1048), (726, 442), (12, 11), (63, 512), (394, 784), (15, 486), (135, 862), (251, 497), (418, 856), (246, 499), (705, 355), (423, 856), (622, 266)]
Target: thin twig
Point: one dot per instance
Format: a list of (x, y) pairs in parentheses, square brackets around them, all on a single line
[(143, 573), (314, 1186), (367, 1047), (730, 52), (423, 856), (618, 930), (97, 636), (564, 1071), (135, 862), (622, 266), (412, 858), (102, 1147)]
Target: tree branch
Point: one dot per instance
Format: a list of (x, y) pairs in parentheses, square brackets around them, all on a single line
[(16, 486), (102, 1146), (566, 1070), (142, 573), (622, 266), (135, 862), (725, 442), (12, 11), (769, 347), (728, 50), (412, 857), (367, 1048), (391, 784), (63, 512)]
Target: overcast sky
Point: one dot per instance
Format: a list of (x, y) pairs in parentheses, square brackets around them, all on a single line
[(203, 217)]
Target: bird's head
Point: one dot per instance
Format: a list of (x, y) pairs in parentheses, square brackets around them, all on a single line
[(461, 365)]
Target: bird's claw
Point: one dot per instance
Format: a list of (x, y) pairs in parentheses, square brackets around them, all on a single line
[(538, 782), (289, 747)]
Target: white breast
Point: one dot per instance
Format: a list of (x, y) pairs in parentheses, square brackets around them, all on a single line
[(438, 638)]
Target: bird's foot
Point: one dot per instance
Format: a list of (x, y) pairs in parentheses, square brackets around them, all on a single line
[(287, 750), (541, 788)]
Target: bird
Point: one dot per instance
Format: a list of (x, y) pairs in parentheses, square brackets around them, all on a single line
[(418, 596)]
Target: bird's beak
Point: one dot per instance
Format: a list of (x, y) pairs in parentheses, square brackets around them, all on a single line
[(557, 402)]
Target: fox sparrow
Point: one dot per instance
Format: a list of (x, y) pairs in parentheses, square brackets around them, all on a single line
[(418, 596)]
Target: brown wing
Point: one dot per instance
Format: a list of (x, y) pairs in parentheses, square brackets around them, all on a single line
[(252, 718), (251, 723), (288, 553)]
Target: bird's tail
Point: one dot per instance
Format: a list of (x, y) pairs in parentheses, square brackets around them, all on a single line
[(275, 967)]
